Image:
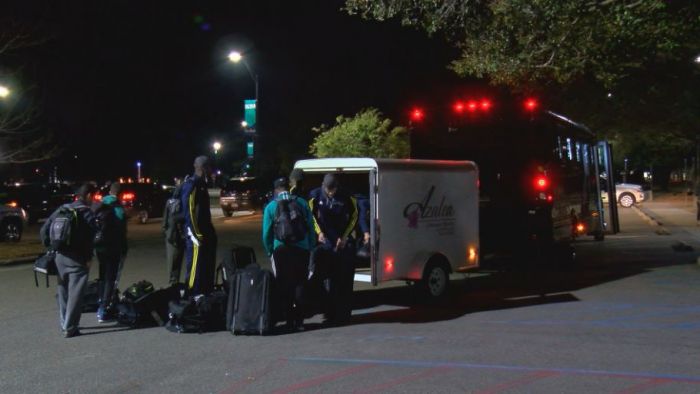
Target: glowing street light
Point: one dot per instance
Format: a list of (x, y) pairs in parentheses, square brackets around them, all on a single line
[(217, 147), (138, 171), (4, 91), (235, 56)]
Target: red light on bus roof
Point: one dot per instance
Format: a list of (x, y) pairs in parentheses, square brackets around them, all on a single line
[(530, 104), (485, 105), (417, 114), (472, 105), (458, 107), (541, 182)]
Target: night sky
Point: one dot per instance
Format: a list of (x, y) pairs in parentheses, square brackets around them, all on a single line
[(122, 81)]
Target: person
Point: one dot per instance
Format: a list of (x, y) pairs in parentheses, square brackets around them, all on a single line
[(296, 182), (335, 217), (72, 259), (697, 201), (290, 257), (111, 248), (173, 230), (363, 225), (200, 250), (335, 214)]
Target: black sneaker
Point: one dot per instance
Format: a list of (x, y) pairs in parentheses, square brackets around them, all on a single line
[(71, 333)]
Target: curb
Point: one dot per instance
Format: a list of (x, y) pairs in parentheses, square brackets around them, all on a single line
[(660, 229), (20, 261)]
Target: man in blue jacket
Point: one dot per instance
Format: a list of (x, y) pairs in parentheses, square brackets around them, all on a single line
[(288, 239), (335, 217), (199, 230)]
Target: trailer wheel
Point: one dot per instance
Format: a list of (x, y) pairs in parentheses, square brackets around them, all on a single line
[(436, 279)]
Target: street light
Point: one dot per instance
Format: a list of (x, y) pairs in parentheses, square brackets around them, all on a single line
[(138, 171), (217, 147), (236, 57), (4, 91)]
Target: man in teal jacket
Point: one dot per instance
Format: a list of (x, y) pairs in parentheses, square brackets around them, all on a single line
[(111, 247), (288, 239)]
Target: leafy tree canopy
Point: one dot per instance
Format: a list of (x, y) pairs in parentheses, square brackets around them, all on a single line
[(367, 134), (521, 42)]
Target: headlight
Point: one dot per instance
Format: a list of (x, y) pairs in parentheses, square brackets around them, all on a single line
[(24, 214)]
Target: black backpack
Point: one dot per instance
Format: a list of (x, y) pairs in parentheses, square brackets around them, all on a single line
[(176, 219), (290, 224), (107, 226), (63, 233)]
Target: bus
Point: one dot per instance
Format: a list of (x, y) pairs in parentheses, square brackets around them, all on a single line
[(538, 173)]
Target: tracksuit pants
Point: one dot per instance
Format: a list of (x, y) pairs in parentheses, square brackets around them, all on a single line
[(72, 280), (201, 264)]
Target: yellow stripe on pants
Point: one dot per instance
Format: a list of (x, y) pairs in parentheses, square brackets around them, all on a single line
[(193, 271)]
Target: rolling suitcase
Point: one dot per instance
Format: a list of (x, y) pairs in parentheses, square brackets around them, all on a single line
[(238, 258), (250, 310)]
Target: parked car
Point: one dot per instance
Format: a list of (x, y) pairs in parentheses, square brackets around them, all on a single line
[(240, 193), (40, 200), (627, 194), (13, 219), (142, 201)]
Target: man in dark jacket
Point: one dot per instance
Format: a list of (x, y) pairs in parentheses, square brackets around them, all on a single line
[(199, 230), (72, 260), (174, 232), (111, 247), (335, 217)]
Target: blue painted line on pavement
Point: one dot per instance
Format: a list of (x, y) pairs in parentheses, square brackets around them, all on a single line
[(515, 368)]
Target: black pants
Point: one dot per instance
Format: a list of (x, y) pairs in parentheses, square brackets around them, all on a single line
[(290, 265), (335, 270), (109, 269)]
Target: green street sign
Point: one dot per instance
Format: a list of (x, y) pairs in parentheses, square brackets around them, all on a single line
[(250, 150), (249, 107)]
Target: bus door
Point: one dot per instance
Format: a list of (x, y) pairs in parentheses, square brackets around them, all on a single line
[(604, 163)]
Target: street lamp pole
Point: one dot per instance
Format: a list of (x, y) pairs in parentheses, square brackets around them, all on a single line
[(236, 57)]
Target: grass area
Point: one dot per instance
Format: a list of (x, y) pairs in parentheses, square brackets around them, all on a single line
[(19, 250)]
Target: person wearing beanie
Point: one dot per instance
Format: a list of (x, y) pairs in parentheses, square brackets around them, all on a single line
[(288, 239)]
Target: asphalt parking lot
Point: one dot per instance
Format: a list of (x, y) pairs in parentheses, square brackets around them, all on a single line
[(624, 319)]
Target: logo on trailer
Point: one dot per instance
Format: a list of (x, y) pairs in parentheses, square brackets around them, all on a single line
[(424, 211)]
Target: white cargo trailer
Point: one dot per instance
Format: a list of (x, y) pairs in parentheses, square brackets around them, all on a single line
[(424, 215)]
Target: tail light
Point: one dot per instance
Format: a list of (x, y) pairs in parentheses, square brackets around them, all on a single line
[(580, 228), (12, 204), (389, 264), (128, 197), (97, 197)]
